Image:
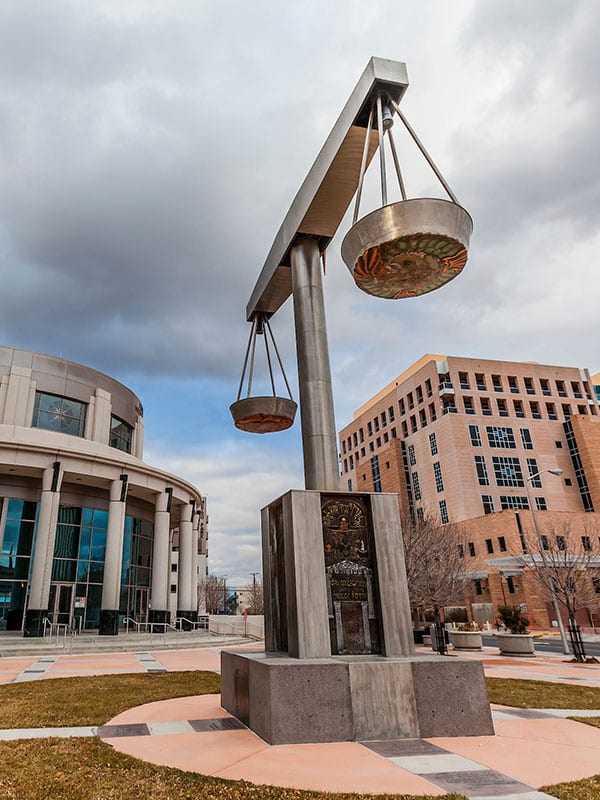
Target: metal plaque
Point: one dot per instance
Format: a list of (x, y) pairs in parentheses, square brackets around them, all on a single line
[(352, 592)]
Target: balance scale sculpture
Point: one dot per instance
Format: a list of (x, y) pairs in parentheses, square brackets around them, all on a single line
[(339, 661)]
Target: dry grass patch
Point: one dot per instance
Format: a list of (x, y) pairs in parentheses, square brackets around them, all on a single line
[(94, 700), (586, 789), (594, 721), (88, 769), (541, 694)]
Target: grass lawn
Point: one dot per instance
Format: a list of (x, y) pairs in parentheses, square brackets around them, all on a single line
[(541, 694), (88, 769), (94, 700)]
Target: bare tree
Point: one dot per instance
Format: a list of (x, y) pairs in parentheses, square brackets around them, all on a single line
[(214, 591), (563, 564), (434, 562), (255, 597)]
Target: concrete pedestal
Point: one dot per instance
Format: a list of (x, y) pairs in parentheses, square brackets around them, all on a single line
[(291, 701), (340, 662)]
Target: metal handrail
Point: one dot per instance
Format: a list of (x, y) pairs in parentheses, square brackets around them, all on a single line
[(55, 627), (195, 624)]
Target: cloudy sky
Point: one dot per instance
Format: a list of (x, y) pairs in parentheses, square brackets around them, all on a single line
[(149, 151)]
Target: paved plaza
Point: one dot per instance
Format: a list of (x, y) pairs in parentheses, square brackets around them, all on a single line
[(530, 748)]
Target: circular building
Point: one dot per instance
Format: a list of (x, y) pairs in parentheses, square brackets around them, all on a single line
[(90, 535)]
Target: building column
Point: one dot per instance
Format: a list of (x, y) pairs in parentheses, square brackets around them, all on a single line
[(41, 573), (186, 602), (194, 562), (159, 598), (113, 561)]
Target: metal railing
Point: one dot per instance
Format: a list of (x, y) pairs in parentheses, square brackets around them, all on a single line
[(55, 628)]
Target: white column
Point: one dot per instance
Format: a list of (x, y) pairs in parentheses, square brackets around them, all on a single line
[(161, 558), (111, 588), (194, 564), (41, 573), (186, 603)]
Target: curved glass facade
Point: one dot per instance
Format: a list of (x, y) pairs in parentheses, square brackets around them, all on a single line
[(77, 567), (55, 413)]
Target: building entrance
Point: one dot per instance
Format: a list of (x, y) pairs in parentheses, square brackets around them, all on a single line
[(141, 605), (60, 603)]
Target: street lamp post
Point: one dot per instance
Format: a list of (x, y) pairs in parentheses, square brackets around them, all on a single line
[(224, 594), (561, 627)]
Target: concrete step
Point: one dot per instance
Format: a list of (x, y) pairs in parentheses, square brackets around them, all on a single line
[(123, 643)]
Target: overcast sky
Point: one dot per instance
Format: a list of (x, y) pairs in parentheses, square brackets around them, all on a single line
[(149, 151)]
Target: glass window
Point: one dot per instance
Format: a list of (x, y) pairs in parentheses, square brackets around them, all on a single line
[(526, 439), (507, 471), (489, 545), (481, 469), (533, 469), (502, 544), (437, 472), (55, 413), (411, 455), (474, 434), (518, 503), (433, 444), (444, 512), (416, 485), (375, 474), (500, 437), (488, 503)]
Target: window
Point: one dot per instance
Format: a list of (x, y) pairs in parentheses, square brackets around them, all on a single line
[(568, 482), (507, 471), (416, 486), (54, 413), (502, 409), (402, 406), (463, 379), (500, 437), (474, 434), (518, 408), (411, 402), (349, 484), (481, 469), (404, 429), (468, 403), (378, 441), (545, 384), (551, 411), (413, 424), (437, 471), (485, 407), (371, 447), (433, 444), (375, 474), (383, 419), (394, 433), (351, 462), (566, 410), (461, 551), (560, 388), (529, 385), (428, 387), (432, 414), (510, 584), (576, 389), (516, 503), (535, 409), (173, 588), (478, 589), (361, 434), (386, 438), (526, 439), (376, 423), (363, 452), (369, 429), (471, 547), (412, 459), (532, 467), (345, 465), (391, 414), (121, 434), (596, 585), (512, 384), (419, 393), (489, 545), (480, 381), (355, 439), (545, 543), (540, 504), (558, 444), (444, 512), (586, 543), (173, 567), (423, 418), (488, 503), (502, 544), (497, 383), (561, 542)]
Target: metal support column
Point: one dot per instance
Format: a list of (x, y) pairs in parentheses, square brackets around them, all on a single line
[(314, 373)]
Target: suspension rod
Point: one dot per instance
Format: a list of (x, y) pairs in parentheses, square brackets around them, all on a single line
[(363, 165), (381, 151), (246, 359), (424, 152), (287, 386), (396, 163)]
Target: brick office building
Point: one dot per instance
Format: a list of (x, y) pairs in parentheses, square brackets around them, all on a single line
[(458, 437)]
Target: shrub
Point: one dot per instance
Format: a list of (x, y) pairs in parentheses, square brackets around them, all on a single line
[(513, 618)]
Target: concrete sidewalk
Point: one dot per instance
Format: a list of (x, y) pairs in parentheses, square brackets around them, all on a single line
[(530, 747)]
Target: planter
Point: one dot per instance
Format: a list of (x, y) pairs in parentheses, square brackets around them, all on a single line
[(516, 644), (466, 640), (408, 248), (427, 639)]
